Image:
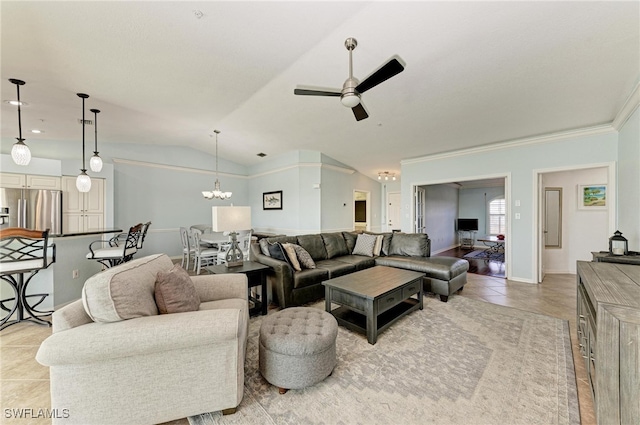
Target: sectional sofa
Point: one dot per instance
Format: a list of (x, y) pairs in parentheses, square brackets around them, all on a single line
[(333, 255)]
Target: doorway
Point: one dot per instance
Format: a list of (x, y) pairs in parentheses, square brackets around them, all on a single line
[(361, 210)]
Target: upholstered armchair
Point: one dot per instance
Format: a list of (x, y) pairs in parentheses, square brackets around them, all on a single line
[(115, 360)]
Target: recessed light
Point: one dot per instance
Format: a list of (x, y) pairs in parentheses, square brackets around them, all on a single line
[(262, 155), (35, 130), (16, 103)]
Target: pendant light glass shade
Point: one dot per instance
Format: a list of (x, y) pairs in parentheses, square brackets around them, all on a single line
[(216, 192), (95, 163), (83, 182), (20, 152)]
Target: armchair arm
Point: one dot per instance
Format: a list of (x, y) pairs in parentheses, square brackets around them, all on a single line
[(214, 287), (140, 336)]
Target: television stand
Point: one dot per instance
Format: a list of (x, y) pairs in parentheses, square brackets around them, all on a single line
[(467, 238)]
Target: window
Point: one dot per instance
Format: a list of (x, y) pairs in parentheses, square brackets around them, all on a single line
[(497, 217)]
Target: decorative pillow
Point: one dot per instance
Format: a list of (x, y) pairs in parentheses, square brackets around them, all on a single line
[(175, 291), (378, 246), (125, 291), (293, 257), (364, 245), (278, 252), (304, 257), (264, 247)]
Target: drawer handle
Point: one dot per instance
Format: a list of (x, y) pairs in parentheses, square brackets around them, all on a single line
[(412, 288), (390, 299)]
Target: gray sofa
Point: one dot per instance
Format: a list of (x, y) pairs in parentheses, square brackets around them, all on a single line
[(332, 253)]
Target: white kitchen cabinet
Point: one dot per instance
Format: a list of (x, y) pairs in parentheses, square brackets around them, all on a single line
[(29, 181), (82, 212)]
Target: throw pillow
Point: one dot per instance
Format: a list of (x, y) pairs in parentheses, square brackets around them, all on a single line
[(364, 245), (175, 291), (277, 251), (304, 257), (264, 247), (293, 257), (378, 246)]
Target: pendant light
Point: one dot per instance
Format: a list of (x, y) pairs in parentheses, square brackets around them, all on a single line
[(20, 152), (83, 182), (217, 193), (95, 163)]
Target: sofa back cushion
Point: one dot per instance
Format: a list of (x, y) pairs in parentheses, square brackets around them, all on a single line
[(125, 291), (314, 244), (350, 240), (409, 244), (386, 241), (335, 244), (265, 243)]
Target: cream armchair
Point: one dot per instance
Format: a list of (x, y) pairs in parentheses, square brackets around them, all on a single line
[(154, 368)]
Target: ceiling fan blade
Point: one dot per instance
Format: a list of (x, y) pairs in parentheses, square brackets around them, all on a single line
[(386, 71), (317, 92), (359, 112)]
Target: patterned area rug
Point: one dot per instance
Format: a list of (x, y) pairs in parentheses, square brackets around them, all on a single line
[(485, 255), (461, 362)]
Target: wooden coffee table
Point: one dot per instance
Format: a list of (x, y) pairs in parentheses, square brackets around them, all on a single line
[(371, 300)]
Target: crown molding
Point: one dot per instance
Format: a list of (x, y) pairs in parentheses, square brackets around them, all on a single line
[(173, 167), (547, 138), (304, 165), (629, 107)]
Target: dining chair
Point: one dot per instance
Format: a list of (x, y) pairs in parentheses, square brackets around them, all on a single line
[(188, 248), (203, 256)]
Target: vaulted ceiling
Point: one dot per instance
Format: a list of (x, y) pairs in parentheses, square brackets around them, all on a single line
[(169, 72)]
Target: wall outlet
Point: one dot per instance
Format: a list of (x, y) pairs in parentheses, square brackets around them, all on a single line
[(75, 274)]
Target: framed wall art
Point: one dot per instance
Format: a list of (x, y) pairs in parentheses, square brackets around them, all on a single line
[(592, 197), (272, 200)]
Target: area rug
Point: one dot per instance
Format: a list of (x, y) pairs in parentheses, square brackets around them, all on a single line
[(485, 255), (461, 362)]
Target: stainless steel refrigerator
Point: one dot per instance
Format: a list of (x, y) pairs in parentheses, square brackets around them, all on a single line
[(37, 209)]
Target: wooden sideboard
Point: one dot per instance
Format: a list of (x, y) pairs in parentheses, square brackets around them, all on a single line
[(609, 338)]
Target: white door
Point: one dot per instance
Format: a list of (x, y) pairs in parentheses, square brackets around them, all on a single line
[(419, 197), (393, 211)]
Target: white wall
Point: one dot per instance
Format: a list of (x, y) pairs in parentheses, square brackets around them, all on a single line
[(583, 231), (517, 161), (629, 181)]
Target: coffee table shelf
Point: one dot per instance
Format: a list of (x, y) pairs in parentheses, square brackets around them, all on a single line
[(357, 322)]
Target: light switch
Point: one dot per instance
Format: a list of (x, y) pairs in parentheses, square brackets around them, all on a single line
[(517, 202), (517, 216)]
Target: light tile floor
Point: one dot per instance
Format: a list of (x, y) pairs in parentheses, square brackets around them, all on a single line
[(24, 382)]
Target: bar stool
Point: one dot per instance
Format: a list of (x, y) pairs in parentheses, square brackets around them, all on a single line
[(24, 251), (115, 252)]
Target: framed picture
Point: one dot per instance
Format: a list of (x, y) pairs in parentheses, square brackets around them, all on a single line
[(272, 200), (592, 197)]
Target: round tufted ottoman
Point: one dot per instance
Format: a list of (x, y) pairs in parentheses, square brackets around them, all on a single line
[(297, 347)]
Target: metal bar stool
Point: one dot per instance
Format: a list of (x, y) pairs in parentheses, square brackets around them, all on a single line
[(24, 251), (116, 252)]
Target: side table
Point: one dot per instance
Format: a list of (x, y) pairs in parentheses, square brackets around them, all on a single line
[(256, 276)]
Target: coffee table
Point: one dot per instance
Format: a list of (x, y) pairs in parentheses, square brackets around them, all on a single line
[(373, 299)]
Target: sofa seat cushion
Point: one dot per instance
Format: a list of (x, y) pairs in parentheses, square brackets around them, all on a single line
[(309, 277), (360, 261), (443, 268), (336, 267), (125, 291)]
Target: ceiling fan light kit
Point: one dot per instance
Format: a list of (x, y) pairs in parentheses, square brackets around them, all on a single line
[(350, 95)]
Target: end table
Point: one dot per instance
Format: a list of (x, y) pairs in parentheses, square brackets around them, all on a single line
[(256, 276)]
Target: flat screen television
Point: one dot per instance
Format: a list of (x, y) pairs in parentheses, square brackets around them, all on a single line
[(467, 224)]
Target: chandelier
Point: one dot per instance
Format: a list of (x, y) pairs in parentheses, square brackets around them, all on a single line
[(216, 192), (385, 175)]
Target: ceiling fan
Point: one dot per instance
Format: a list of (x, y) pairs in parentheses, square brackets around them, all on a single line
[(352, 88)]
